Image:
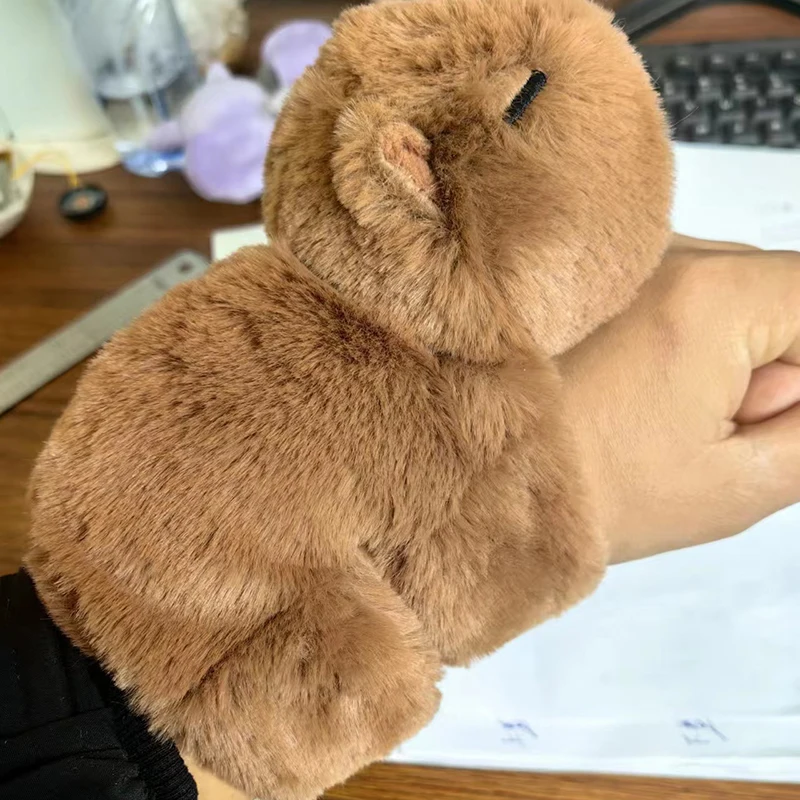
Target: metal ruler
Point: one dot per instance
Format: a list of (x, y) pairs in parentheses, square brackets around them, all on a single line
[(78, 340)]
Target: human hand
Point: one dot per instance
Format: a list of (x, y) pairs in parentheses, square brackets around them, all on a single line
[(210, 787), (685, 404)]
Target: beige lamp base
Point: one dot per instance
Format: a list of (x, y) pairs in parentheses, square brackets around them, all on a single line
[(81, 155)]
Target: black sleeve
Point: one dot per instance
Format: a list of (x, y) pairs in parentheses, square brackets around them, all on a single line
[(66, 732)]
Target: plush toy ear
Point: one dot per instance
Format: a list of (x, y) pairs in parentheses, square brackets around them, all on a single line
[(406, 152), (381, 168)]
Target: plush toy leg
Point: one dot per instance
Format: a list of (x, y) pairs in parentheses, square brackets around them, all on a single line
[(318, 691), (281, 683), (524, 548)]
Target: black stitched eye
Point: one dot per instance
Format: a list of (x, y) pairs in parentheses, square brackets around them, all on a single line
[(527, 94)]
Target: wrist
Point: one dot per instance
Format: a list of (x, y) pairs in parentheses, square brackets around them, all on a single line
[(595, 468)]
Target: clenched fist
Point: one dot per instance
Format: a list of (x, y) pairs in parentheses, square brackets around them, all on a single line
[(685, 404)]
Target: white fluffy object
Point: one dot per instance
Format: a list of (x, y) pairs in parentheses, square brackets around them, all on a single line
[(216, 29)]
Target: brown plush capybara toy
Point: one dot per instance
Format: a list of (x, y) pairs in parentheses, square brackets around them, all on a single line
[(295, 488)]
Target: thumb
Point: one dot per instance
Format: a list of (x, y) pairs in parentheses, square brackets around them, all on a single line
[(773, 389), (770, 453)]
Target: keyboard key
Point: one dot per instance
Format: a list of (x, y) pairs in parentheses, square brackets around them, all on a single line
[(748, 138), (741, 133), (719, 62), (672, 90), (785, 139), (683, 64), (679, 112), (727, 110), (790, 74), (709, 88), (733, 128), (753, 62), (790, 57), (743, 88), (778, 133), (687, 107), (766, 111), (683, 133), (776, 126), (778, 88), (793, 115), (696, 128), (710, 135)]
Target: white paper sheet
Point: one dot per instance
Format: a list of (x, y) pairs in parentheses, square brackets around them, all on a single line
[(225, 240), (685, 664), (738, 194)]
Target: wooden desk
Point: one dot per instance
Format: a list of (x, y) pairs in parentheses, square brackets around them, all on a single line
[(52, 270)]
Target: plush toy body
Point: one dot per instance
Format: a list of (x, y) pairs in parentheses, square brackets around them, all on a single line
[(294, 489)]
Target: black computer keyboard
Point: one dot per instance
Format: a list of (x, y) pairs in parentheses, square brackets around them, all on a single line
[(744, 93)]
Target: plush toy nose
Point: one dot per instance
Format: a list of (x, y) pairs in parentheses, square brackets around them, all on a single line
[(527, 94)]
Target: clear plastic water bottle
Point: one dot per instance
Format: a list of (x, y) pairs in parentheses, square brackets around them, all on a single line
[(142, 69)]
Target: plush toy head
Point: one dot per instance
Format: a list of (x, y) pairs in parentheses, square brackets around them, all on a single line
[(478, 170)]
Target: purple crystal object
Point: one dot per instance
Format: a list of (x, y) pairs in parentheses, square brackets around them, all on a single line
[(292, 47)]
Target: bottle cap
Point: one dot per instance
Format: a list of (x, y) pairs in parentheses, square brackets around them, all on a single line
[(83, 202)]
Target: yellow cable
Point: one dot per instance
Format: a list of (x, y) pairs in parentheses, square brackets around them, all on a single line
[(27, 165)]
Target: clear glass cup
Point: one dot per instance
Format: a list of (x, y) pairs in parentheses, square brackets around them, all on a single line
[(142, 69)]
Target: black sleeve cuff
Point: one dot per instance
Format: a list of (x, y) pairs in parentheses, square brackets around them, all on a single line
[(66, 732)]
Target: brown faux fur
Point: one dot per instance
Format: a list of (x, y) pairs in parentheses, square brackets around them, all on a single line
[(296, 487)]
